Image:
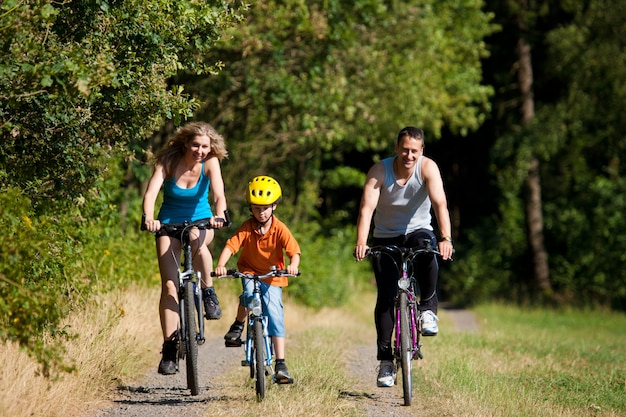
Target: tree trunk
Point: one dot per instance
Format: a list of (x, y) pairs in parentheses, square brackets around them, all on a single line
[(533, 203)]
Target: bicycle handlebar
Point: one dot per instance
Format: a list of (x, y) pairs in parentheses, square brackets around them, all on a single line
[(408, 252), (233, 273), (200, 224)]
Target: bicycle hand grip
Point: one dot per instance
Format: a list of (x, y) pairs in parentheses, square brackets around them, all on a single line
[(227, 221), (143, 222)]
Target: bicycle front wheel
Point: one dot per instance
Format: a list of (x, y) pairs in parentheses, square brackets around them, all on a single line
[(191, 360), (405, 348), (259, 359)]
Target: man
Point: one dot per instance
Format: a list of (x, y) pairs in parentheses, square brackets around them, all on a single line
[(398, 194)]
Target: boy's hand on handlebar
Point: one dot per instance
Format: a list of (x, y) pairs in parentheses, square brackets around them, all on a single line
[(360, 252), (292, 269), (220, 271)]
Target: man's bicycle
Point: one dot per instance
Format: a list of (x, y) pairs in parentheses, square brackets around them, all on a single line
[(258, 345), (191, 326), (407, 328)]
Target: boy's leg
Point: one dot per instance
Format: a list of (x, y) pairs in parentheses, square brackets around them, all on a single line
[(272, 297), (233, 337)]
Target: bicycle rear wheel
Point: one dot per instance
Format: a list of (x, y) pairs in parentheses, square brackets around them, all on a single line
[(191, 360), (405, 349), (259, 359)]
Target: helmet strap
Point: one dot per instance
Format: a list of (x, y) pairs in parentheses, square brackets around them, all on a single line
[(261, 224)]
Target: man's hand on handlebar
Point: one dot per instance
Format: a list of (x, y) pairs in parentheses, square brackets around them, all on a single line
[(445, 249), (360, 252)]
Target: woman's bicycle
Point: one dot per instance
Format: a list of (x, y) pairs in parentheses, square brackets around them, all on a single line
[(258, 345), (407, 329), (190, 305)]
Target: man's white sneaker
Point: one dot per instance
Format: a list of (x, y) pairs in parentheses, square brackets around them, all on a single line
[(429, 323), (386, 374)]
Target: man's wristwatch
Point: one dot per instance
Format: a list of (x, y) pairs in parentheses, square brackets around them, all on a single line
[(446, 239)]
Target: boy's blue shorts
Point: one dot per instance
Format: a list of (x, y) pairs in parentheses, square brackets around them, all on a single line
[(272, 300)]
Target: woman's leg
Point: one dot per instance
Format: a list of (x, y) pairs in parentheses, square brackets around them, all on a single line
[(168, 253)]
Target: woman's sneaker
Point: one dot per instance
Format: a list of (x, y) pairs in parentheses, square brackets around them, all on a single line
[(429, 323), (386, 374), (168, 364), (212, 309)]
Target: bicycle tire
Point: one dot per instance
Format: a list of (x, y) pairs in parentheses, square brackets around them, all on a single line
[(191, 360), (406, 353), (259, 359)]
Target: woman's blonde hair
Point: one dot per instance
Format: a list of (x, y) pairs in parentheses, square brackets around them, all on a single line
[(170, 154)]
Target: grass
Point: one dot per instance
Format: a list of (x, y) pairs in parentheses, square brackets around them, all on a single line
[(112, 347), (533, 362), (522, 362)]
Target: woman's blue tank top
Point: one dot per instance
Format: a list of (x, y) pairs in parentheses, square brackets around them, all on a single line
[(181, 204)]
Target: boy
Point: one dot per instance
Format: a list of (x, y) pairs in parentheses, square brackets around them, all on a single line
[(262, 239)]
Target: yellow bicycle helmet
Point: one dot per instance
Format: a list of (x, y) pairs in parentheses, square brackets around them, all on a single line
[(263, 191)]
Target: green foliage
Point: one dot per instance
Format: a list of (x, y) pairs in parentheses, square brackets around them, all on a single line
[(52, 264), (79, 80), (320, 83), (329, 274), (577, 136)]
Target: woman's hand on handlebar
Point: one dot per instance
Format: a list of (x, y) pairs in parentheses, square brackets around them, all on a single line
[(152, 225), (217, 222), (361, 252)]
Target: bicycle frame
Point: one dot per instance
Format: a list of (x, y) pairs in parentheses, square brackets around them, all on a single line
[(255, 317), (190, 306), (258, 346), (406, 285), (407, 328)]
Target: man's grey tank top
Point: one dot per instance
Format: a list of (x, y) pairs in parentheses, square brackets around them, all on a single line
[(402, 209)]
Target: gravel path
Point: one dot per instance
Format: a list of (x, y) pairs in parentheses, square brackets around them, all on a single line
[(389, 402), (161, 396)]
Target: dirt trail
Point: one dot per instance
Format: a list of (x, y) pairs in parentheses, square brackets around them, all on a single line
[(161, 396), (388, 402)]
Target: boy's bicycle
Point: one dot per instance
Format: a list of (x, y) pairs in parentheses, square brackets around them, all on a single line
[(258, 345), (190, 305), (407, 327)]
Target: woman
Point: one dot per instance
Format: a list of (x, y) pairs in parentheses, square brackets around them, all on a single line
[(186, 168)]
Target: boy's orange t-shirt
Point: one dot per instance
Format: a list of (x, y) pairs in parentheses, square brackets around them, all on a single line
[(260, 252)]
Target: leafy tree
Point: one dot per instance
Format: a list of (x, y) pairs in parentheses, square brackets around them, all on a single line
[(313, 91), (79, 79), (578, 55)]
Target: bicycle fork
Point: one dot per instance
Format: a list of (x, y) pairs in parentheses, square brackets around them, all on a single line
[(183, 279), (405, 286), (256, 321)]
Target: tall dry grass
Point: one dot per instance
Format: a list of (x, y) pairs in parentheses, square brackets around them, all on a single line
[(116, 325)]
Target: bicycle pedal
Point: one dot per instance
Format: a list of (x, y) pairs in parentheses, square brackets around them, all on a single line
[(233, 343), (245, 363)]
